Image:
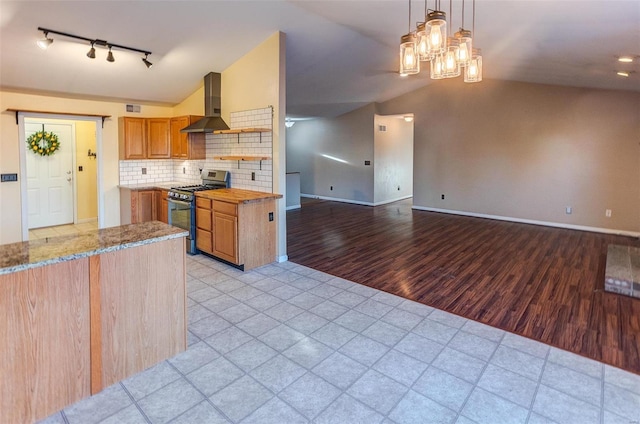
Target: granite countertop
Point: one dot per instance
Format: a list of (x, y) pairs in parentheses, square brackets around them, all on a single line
[(237, 195), (166, 185), (31, 254)]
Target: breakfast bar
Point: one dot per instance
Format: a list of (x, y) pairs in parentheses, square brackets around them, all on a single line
[(82, 312)]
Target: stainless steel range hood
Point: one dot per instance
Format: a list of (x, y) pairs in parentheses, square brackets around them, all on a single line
[(212, 120)]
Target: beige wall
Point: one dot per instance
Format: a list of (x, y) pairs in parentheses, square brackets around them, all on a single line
[(257, 80), (87, 179), (393, 158), (349, 138), (527, 151), (10, 198)]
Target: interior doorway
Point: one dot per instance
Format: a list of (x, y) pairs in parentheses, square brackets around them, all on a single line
[(60, 191)]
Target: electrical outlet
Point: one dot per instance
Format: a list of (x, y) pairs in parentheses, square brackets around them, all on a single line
[(568, 210), (270, 216), (331, 188), (443, 197), (184, 170), (398, 188), (253, 176), (607, 213), (144, 171)]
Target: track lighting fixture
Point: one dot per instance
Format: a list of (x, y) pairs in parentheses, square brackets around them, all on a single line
[(146, 62), (45, 42), (110, 57), (91, 54)]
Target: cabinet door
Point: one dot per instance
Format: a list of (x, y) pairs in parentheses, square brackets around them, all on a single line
[(146, 205), (134, 138), (225, 237), (162, 206), (158, 139), (179, 147)]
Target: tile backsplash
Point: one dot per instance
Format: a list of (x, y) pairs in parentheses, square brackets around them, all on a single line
[(249, 144), (188, 171)]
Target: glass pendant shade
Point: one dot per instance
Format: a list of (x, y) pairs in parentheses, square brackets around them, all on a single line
[(436, 30), (451, 65), (422, 41), (409, 61), (437, 67), (473, 71), (465, 47)]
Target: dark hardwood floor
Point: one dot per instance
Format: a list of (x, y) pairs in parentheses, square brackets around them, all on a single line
[(540, 282)]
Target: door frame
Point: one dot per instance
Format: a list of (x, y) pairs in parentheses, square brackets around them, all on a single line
[(23, 165)]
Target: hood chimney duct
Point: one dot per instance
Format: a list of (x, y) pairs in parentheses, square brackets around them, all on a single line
[(212, 120)]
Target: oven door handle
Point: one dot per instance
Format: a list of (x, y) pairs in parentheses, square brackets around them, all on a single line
[(180, 202)]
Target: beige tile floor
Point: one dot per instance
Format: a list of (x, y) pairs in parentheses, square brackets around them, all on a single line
[(62, 230), (286, 344)]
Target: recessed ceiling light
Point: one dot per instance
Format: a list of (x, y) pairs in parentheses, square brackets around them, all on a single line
[(623, 73), (625, 59)]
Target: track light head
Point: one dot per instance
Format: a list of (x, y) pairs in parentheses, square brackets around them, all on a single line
[(92, 53), (110, 57), (146, 62), (45, 42)]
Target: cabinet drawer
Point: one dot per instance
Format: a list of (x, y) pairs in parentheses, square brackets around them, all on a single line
[(204, 241), (226, 208), (203, 219), (203, 203)]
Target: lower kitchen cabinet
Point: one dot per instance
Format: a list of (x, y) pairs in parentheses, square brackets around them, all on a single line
[(240, 233), (204, 225), (225, 235), (162, 206), (140, 206)]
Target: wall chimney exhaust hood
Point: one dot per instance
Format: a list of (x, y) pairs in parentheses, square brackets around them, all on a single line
[(212, 120)]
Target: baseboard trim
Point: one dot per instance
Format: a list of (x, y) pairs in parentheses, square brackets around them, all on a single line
[(356, 202), (86, 220), (293, 207), (283, 258), (336, 199), (533, 222)]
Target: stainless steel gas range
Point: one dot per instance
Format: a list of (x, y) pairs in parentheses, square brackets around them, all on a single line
[(182, 202)]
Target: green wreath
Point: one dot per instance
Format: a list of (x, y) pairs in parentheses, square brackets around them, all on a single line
[(43, 143)]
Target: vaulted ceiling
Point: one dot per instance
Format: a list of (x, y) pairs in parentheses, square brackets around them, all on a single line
[(341, 54)]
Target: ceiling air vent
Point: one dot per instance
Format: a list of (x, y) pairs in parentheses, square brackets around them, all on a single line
[(382, 128), (133, 108)]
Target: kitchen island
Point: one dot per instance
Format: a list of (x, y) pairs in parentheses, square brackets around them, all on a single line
[(82, 312), (237, 226)]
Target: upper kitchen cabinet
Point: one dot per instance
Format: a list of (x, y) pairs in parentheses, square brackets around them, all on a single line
[(158, 138), (133, 139), (144, 138), (186, 146)]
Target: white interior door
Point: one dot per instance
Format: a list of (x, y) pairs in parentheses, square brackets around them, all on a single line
[(50, 179)]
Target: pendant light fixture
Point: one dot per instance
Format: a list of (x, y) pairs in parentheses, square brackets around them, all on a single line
[(409, 61), (432, 41), (110, 57)]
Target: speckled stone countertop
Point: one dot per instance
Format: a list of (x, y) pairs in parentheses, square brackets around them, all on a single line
[(166, 185), (31, 254)]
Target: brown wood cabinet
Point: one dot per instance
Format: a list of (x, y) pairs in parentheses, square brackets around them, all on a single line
[(133, 138), (138, 205), (162, 206), (204, 225), (186, 146), (240, 233), (144, 138), (158, 138)]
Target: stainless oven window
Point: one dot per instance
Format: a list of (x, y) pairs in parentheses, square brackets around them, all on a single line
[(180, 214)]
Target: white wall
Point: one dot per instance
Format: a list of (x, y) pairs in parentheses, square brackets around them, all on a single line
[(527, 151), (332, 152), (393, 159)]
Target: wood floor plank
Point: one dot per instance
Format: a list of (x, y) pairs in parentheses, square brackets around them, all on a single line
[(540, 282)]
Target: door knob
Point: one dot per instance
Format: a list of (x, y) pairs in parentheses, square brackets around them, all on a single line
[(69, 179), (68, 172)]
